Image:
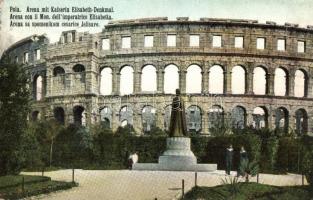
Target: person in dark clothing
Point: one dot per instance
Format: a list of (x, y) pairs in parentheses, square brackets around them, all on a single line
[(243, 157), (229, 159)]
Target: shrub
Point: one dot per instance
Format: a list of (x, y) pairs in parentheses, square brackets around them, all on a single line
[(31, 150), (307, 165), (125, 131), (73, 147), (289, 154), (270, 148), (248, 169)]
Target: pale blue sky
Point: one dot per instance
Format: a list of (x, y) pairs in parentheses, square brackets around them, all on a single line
[(280, 11)]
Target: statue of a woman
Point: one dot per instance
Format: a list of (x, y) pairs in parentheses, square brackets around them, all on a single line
[(178, 126)]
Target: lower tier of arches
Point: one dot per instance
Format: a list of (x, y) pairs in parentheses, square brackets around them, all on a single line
[(204, 114)]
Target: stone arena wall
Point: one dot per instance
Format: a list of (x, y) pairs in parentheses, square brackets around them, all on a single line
[(71, 73)]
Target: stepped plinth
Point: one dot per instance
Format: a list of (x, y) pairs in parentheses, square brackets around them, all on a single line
[(177, 157)]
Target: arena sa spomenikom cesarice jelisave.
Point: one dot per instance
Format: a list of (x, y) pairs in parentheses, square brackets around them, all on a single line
[(236, 72)]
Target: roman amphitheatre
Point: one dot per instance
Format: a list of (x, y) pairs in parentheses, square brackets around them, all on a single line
[(239, 72)]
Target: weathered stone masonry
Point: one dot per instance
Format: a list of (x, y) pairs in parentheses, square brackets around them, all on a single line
[(71, 73)]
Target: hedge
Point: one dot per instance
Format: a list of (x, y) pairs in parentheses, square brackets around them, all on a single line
[(99, 148)]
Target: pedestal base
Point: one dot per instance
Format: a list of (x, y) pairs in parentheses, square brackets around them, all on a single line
[(177, 157)]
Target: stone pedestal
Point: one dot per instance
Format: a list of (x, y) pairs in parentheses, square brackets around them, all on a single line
[(177, 157)]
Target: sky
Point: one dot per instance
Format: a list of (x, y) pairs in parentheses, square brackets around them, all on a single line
[(280, 11)]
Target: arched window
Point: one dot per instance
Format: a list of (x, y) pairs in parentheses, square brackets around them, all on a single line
[(79, 116), (259, 118), (301, 122), (280, 82), (127, 80), (194, 119), (259, 81), (78, 68), (281, 120), (106, 117), (216, 117), (57, 71), (58, 113), (216, 80), (126, 114), (171, 79), (38, 88), (106, 81), (193, 79), (238, 117), (149, 79), (238, 80), (300, 83), (148, 118), (35, 115)]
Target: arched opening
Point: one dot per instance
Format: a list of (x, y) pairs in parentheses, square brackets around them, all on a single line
[(35, 115), (59, 116), (259, 81), (238, 115), (216, 118), (280, 82), (38, 87), (79, 116), (301, 122), (300, 89), (81, 70), (58, 71), (126, 114), (148, 118), (259, 118), (193, 79), (281, 120), (167, 117), (194, 119), (106, 117), (149, 79), (216, 80), (127, 80), (238, 80), (106, 81), (78, 68), (171, 79)]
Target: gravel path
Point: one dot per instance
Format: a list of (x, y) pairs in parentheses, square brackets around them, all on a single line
[(142, 185)]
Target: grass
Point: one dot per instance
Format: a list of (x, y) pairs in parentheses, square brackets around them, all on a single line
[(46, 169), (250, 191), (11, 186), (15, 180)]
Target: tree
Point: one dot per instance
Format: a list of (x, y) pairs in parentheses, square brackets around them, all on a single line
[(14, 107), (53, 129)]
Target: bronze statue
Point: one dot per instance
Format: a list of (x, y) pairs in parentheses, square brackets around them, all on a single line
[(178, 126)]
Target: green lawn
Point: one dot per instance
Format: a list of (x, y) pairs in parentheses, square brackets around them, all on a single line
[(249, 191), (11, 186)]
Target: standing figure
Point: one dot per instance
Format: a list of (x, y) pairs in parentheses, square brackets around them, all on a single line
[(133, 158), (229, 158), (178, 126), (243, 158), (130, 161)]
